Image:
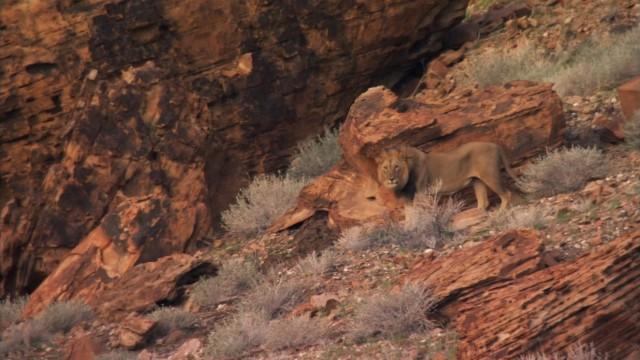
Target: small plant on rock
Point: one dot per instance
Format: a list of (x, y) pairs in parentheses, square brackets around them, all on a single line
[(118, 355), (10, 311), (317, 265), (295, 332), (276, 297), (519, 217)]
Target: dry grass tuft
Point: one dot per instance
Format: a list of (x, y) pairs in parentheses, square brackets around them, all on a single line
[(232, 338), (519, 217), (234, 278), (564, 170), (62, 316), (169, 318), (317, 265), (392, 314), (631, 130), (316, 155), (295, 332), (10, 311), (265, 199), (426, 225), (595, 64), (118, 355), (59, 317), (276, 297)]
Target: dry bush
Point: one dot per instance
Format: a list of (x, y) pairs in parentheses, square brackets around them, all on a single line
[(577, 351), (595, 64), (276, 297), (10, 311), (316, 155), (600, 64), (64, 315), (265, 199), (631, 130), (427, 221), (495, 67), (118, 355), (564, 170), (234, 278), (232, 338), (317, 265), (295, 332), (426, 225), (24, 335), (391, 314), (519, 217), (169, 318)]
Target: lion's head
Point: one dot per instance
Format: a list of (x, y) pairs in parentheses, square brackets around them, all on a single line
[(393, 169)]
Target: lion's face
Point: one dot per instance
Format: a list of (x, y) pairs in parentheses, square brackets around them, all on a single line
[(393, 170)]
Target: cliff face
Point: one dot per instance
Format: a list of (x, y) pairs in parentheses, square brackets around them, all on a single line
[(154, 112)]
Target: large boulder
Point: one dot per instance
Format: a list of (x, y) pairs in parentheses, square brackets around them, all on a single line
[(504, 302), (176, 100), (524, 117)]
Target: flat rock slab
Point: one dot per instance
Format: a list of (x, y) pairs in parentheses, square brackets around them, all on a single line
[(629, 94)]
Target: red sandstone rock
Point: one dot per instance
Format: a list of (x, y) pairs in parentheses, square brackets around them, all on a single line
[(629, 94), (147, 98), (503, 302), (525, 118)]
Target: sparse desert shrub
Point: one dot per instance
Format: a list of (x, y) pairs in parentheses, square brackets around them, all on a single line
[(316, 155), (118, 355), (317, 265), (391, 314), (427, 221), (59, 317), (234, 278), (600, 64), (632, 131), (244, 331), (577, 351), (265, 199), (426, 225), (295, 331), (169, 318), (595, 64), (495, 67), (276, 297), (563, 170), (64, 315), (518, 217), (10, 311)]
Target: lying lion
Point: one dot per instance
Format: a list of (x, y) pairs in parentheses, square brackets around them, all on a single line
[(408, 170)]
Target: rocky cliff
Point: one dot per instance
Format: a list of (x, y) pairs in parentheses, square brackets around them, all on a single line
[(154, 112)]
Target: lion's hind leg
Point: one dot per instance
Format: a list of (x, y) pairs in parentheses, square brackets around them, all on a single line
[(480, 190)]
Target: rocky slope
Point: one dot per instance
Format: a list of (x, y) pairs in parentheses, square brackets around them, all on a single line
[(497, 294), (108, 104)]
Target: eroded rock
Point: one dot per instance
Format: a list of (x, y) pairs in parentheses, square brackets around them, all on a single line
[(523, 117)]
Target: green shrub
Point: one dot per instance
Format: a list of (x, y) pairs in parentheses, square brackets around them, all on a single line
[(237, 335), (273, 298), (295, 332), (564, 170), (64, 315), (265, 199), (520, 217), (316, 155)]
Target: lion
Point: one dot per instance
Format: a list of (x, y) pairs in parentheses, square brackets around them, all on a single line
[(407, 170)]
